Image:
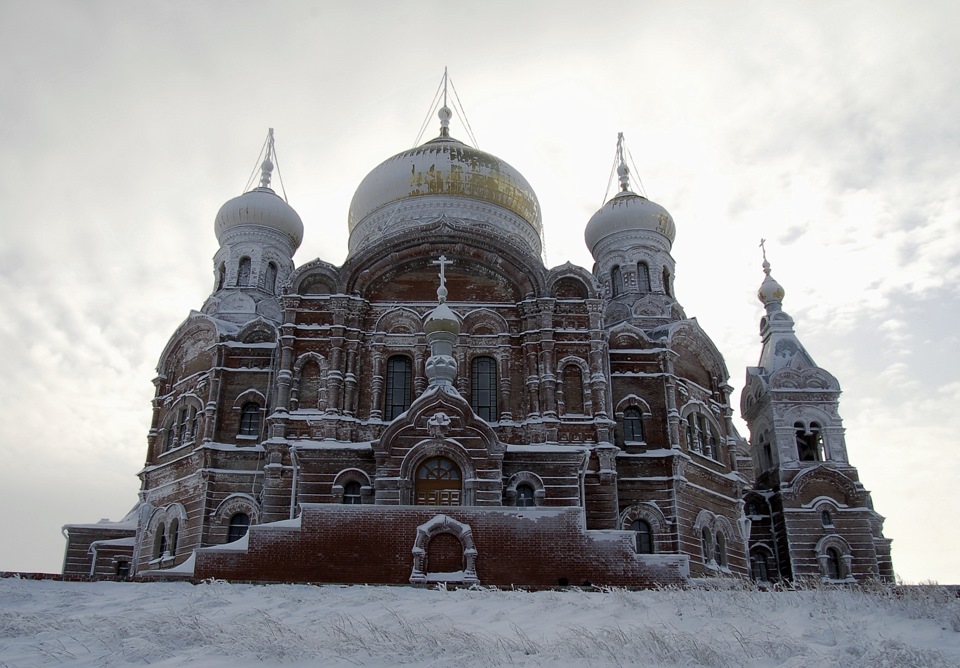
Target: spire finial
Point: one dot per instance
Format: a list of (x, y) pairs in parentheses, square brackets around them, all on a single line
[(445, 114), (771, 293), (766, 265), (442, 290), (266, 169), (622, 170)]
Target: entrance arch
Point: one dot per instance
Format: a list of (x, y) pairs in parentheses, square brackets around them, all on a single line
[(438, 482)]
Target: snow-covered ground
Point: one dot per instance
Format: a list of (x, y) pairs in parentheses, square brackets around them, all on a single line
[(46, 623)]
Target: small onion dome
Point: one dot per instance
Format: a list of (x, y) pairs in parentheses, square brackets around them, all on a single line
[(260, 207), (445, 166), (441, 319), (770, 291), (628, 211)]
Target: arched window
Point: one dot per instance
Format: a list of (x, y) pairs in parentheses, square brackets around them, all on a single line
[(525, 498), (666, 282), (250, 419), (270, 280), (720, 550), (239, 524), (644, 536), (160, 541), (632, 425), (706, 542), (174, 536), (643, 277), (826, 519), (700, 435), (351, 493), (483, 388), (694, 435), (399, 386), (171, 432), (759, 568), (766, 453), (832, 564), (616, 281), (572, 390), (243, 272), (438, 483), (809, 442), (191, 426), (221, 275), (182, 429)]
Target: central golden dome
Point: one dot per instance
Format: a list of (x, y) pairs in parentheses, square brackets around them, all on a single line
[(445, 166), (394, 193)]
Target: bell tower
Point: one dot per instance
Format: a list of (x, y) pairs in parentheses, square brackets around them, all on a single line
[(810, 515)]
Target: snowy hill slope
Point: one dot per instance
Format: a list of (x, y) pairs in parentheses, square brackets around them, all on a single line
[(45, 623)]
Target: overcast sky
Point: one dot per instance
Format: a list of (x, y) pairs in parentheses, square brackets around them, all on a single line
[(828, 128)]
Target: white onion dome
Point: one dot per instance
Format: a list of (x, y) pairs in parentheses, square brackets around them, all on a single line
[(445, 166), (441, 319), (627, 211), (260, 207), (770, 293)]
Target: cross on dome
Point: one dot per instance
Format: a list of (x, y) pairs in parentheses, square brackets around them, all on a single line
[(770, 293), (266, 168), (622, 170), (442, 290)]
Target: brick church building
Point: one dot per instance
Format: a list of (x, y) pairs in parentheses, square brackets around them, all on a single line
[(443, 407)]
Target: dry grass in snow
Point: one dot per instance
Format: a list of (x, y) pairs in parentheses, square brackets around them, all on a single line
[(47, 623)]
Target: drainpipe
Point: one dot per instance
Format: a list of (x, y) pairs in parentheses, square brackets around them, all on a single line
[(66, 548), (776, 543), (583, 483), (93, 562), (293, 481)]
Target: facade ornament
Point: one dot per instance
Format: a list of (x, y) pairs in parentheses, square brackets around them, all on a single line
[(438, 425)]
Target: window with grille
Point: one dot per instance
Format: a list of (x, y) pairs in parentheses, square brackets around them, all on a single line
[(250, 420), (243, 272), (239, 524), (525, 498), (759, 569), (643, 277), (351, 493), (616, 281), (632, 424), (834, 570), (483, 388), (644, 536), (399, 386)]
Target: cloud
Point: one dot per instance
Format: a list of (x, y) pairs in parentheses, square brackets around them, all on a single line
[(828, 130)]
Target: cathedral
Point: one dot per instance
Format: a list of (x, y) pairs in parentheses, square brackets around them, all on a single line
[(444, 408)]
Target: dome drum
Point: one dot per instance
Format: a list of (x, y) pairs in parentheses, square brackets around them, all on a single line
[(401, 217)]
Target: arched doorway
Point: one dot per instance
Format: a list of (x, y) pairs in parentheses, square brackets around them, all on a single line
[(438, 483)]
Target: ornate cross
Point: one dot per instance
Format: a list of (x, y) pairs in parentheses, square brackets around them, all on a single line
[(442, 290), (766, 265)]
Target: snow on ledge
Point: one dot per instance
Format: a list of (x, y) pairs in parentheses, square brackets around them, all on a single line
[(570, 449)]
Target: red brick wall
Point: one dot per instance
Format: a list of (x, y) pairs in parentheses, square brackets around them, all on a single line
[(373, 544)]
